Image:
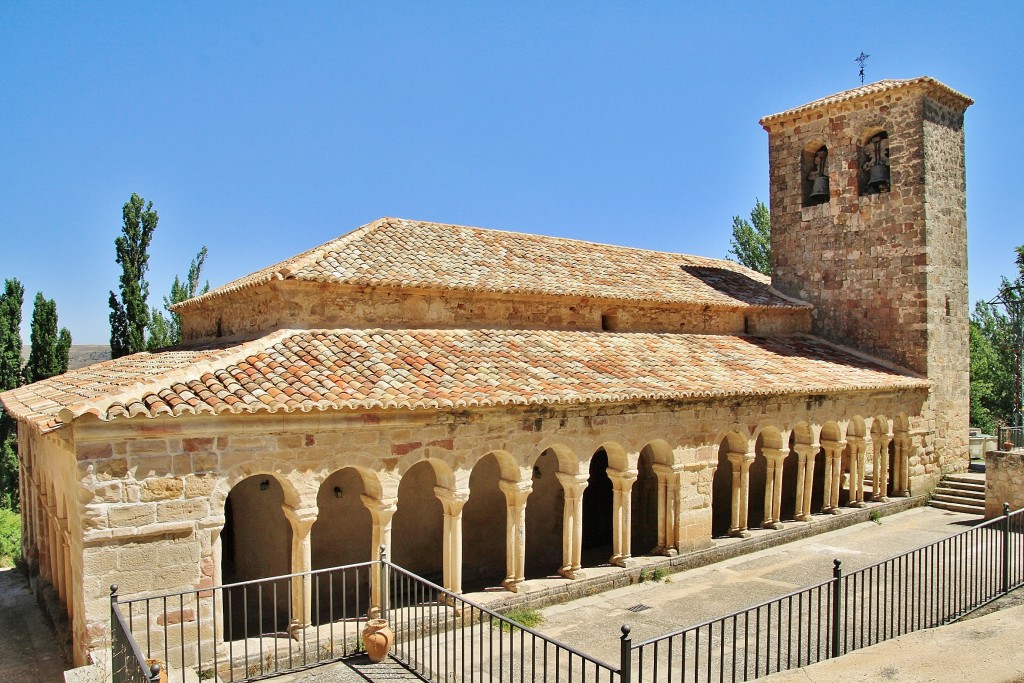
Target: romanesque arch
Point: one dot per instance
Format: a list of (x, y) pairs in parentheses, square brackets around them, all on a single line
[(484, 520), (256, 544), (728, 497), (545, 512), (597, 511), (645, 517), (417, 533), (341, 535)]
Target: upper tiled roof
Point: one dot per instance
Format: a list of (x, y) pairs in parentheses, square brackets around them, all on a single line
[(402, 253), (440, 369), (872, 89)]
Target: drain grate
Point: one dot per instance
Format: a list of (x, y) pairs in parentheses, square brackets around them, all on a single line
[(638, 608)]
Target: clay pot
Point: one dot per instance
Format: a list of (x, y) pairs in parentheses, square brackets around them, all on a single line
[(377, 639), (1008, 446)]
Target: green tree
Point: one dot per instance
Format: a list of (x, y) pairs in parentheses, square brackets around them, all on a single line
[(752, 241), (48, 354), (166, 330), (129, 315), (996, 346), (10, 377)]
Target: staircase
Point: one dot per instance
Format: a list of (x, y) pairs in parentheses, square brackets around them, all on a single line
[(961, 493)]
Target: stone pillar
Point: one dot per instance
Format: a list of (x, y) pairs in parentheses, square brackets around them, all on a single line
[(572, 521), (668, 508), (858, 447), (381, 512), (51, 544), (622, 515), (452, 502), (880, 473), (833, 474), (805, 452), (26, 515), (516, 493), (60, 527), (301, 521), (740, 492), (67, 580), (773, 487), (901, 475)]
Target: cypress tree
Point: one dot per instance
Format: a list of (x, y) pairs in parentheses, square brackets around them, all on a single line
[(48, 354)]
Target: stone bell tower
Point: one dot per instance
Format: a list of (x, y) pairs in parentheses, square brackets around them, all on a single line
[(869, 224)]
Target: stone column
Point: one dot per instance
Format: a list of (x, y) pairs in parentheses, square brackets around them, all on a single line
[(622, 514), (806, 452), (26, 515), (572, 521), (67, 580), (901, 473), (740, 492), (516, 493), (668, 506), (880, 474), (60, 527), (51, 543), (301, 521), (452, 502), (858, 446), (833, 474), (773, 487), (381, 513)]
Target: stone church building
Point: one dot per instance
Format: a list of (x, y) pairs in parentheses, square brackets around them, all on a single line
[(495, 407)]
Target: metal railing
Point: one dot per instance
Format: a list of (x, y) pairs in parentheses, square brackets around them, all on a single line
[(443, 637), (255, 629), (127, 665), (1013, 435), (930, 586)]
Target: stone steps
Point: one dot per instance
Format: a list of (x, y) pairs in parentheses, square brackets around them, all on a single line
[(960, 493)]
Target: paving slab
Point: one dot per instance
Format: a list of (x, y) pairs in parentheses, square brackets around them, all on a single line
[(28, 650)]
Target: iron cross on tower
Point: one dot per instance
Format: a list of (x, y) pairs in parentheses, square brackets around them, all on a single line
[(861, 59)]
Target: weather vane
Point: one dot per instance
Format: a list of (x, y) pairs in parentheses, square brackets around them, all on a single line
[(861, 59)]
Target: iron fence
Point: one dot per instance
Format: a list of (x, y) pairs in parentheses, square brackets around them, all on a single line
[(929, 586), (1011, 435), (263, 628), (443, 637), (127, 665)]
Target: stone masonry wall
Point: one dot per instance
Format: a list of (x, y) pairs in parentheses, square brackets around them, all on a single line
[(948, 307), (304, 305), (152, 490), (1004, 482)]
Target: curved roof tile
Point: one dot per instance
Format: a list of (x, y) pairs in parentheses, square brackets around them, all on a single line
[(438, 369)]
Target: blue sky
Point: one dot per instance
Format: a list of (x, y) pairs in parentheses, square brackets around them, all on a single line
[(263, 129)]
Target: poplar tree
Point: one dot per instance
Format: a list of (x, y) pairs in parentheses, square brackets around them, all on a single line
[(130, 315), (166, 331), (752, 241), (49, 350)]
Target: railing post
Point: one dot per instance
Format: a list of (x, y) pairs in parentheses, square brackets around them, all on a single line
[(625, 656), (1006, 548), (154, 673), (384, 589), (114, 668), (837, 599)]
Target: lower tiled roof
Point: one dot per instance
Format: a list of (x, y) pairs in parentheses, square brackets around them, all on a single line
[(440, 369)]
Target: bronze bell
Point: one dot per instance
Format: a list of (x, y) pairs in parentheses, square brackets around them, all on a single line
[(879, 178), (819, 191)]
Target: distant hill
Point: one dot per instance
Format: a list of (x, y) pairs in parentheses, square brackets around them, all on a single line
[(80, 354)]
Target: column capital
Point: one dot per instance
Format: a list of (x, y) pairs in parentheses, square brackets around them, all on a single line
[(622, 479), (742, 459), (451, 499), (774, 454), (806, 450), (379, 507), (833, 446), (515, 491), (300, 517), (573, 483), (663, 470)]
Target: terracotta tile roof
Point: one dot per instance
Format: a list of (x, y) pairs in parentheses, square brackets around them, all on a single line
[(393, 252), (939, 88), (443, 369)]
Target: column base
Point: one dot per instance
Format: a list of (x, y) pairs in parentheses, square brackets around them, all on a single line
[(777, 526), (739, 533), (671, 552), (857, 504), (802, 518), (569, 572), (834, 510), (520, 586), (880, 499), (905, 494), (624, 562)]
